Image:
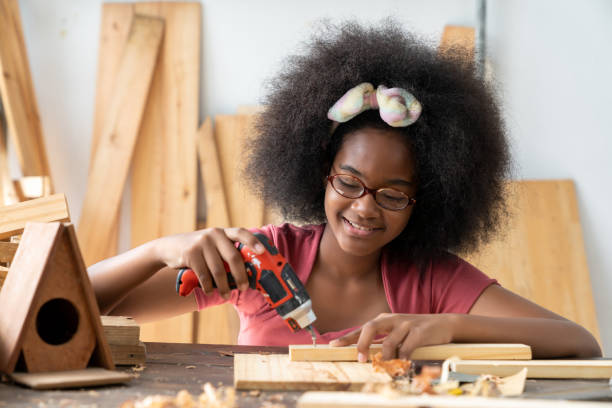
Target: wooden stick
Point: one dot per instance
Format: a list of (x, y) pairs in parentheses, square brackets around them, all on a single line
[(31, 187), (538, 368), (18, 94), (46, 209), (468, 351), (320, 399), (7, 251), (114, 152), (8, 195)]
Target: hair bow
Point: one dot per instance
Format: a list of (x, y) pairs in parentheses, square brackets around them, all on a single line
[(398, 107)]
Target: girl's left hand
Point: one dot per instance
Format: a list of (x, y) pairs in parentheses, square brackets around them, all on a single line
[(404, 333)]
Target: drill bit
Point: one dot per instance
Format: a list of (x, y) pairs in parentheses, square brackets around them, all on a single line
[(312, 333)]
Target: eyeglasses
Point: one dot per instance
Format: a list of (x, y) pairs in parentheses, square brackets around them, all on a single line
[(351, 187)]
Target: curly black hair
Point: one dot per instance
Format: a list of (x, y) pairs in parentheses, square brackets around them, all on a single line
[(459, 141)]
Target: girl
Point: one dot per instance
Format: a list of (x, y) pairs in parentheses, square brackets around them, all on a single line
[(395, 158)]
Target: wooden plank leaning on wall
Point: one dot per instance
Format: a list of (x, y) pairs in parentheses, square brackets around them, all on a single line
[(164, 167), (17, 92), (110, 166)]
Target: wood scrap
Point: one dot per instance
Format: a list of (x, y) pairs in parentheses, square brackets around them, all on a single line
[(17, 93), (128, 354), (3, 273), (466, 351), (121, 330), (110, 167), (13, 218), (71, 379), (8, 195), (538, 368), (7, 251)]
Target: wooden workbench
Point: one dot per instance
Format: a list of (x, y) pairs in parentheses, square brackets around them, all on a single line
[(171, 367)]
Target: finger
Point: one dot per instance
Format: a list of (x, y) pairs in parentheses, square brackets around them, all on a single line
[(349, 338), (199, 267), (410, 343), (232, 256), (217, 270), (369, 331), (395, 339), (245, 237)]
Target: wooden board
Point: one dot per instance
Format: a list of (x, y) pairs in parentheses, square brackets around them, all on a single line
[(468, 351), (372, 400), (541, 257), (128, 354), (121, 330), (3, 273), (277, 372), (539, 368), (111, 163), (7, 251), (18, 96), (8, 195), (71, 379), (13, 218), (164, 167)]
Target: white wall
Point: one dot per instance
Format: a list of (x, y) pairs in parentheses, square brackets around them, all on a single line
[(552, 58)]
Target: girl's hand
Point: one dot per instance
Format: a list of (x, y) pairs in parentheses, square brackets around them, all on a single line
[(403, 333), (204, 252)]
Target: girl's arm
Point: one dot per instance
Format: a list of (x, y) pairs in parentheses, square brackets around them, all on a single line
[(141, 282), (498, 316)]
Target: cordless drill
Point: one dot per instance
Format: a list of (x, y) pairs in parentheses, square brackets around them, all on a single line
[(270, 274)]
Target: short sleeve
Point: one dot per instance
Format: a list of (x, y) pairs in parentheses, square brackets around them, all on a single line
[(456, 285)]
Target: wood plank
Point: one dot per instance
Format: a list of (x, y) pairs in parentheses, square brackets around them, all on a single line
[(18, 96), (128, 354), (541, 256), (467, 351), (28, 188), (13, 218), (3, 273), (121, 330), (8, 195), (89, 377), (538, 368), (323, 399), (7, 251), (277, 372), (110, 167), (458, 39), (114, 31), (164, 168)]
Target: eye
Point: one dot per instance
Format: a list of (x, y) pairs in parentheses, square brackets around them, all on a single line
[(391, 195)]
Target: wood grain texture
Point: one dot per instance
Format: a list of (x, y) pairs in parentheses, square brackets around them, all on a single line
[(7, 251), (8, 195), (121, 330), (18, 96), (467, 351), (538, 368), (373, 400), (111, 163), (541, 256), (164, 168), (128, 354), (13, 218), (277, 372), (3, 273), (88, 377)]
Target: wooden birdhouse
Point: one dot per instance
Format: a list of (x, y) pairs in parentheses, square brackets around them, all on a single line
[(50, 330)]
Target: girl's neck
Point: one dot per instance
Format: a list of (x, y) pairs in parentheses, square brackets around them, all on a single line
[(338, 264)]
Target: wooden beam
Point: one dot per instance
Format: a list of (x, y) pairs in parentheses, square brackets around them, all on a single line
[(7, 251), (18, 96), (538, 368), (467, 351), (114, 151), (8, 195), (121, 330), (324, 399), (13, 218), (31, 187)]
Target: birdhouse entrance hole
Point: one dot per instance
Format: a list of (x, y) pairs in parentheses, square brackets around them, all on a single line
[(57, 321)]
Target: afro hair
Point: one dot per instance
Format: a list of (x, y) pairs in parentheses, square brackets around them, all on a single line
[(459, 142)]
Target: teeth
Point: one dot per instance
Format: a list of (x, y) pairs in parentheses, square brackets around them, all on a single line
[(359, 227)]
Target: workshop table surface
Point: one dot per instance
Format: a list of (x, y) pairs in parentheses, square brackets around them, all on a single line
[(171, 367)]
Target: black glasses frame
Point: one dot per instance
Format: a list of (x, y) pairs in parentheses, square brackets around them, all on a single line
[(367, 190)]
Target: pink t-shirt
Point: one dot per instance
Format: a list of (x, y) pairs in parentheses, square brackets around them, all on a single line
[(450, 285)]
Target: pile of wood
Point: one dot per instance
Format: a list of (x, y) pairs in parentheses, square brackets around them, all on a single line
[(123, 336)]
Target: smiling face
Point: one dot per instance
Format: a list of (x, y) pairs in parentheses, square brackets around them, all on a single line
[(379, 158)]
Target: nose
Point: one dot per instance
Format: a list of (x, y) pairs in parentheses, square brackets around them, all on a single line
[(365, 206)]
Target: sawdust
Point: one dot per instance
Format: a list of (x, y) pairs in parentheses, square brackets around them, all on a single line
[(395, 368), (211, 397)]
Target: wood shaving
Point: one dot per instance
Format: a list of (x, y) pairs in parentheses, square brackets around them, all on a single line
[(222, 397), (138, 367), (395, 368), (190, 367), (255, 393), (226, 353)]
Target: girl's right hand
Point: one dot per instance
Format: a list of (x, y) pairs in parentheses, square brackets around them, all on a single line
[(204, 252)]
